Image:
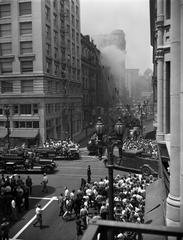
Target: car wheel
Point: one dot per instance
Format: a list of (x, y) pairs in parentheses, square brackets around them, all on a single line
[(146, 170)]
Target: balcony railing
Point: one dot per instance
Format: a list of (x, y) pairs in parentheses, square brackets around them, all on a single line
[(104, 227)]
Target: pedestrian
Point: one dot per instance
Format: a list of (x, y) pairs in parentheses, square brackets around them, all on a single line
[(5, 229), (83, 215), (88, 174), (44, 183), (28, 183), (38, 216), (79, 231), (61, 204), (66, 193), (14, 210)]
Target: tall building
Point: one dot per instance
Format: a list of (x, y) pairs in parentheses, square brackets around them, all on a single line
[(90, 68), (40, 69), (113, 51), (167, 40), (132, 77)]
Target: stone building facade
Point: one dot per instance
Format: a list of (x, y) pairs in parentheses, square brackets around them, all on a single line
[(167, 40), (40, 68)]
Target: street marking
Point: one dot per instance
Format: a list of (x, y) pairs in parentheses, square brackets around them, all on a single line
[(32, 219), (39, 198)]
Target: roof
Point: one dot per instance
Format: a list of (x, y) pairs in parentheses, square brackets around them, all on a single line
[(24, 133)]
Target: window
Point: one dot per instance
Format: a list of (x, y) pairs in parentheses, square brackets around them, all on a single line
[(26, 66), (25, 108), (16, 124), (6, 86), (55, 37), (35, 124), (48, 66), (25, 8), (55, 21), (50, 85), (1, 109), (56, 52), (35, 108), (6, 67), (47, 12), (48, 32), (5, 10), (22, 124), (25, 28), (25, 47), (48, 49), (168, 9), (55, 4), (28, 124), (5, 30), (56, 68), (15, 109), (5, 49), (27, 86), (25, 124), (73, 20)]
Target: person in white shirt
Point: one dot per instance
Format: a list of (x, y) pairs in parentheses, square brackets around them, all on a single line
[(14, 210), (38, 216), (66, 192), (44, 183)]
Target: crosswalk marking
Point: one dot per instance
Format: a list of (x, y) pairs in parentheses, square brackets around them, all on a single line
[(32, 219)]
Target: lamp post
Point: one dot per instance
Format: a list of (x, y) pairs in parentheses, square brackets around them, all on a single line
[(119, 130), (7, 114)]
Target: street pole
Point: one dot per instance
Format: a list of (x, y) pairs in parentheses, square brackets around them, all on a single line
[(111, 191)]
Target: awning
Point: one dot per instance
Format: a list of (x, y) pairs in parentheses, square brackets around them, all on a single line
[(3, 132), (26, 133)]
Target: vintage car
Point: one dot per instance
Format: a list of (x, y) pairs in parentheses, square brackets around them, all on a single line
[(11, 163), (72, 152), (137, 161)]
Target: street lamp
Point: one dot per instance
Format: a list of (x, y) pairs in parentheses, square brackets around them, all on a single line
[(7, 114), (100, 131), (119, 130)]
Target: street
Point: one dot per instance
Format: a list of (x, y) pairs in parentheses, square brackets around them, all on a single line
[(69, 173)]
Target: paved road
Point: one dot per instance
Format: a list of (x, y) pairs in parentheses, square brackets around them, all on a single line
[(69, 174)]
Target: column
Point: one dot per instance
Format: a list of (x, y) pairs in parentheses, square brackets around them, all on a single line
[(173, 200), (160, 64), (181, 117)]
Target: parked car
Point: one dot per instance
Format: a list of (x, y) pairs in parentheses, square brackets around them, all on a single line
[(138, 162)]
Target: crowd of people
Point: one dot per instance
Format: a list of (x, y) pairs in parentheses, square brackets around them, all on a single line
[(14, 196), (148, 146), (92, 201)]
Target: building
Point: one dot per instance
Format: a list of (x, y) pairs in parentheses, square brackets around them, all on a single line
[(113, 52), (132, 77), (40, 68), (166, 18), (90, 67)]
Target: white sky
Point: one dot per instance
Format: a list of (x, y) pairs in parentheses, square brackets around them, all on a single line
[(132, 16)]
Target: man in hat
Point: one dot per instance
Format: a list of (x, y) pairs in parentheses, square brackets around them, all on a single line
[(44, 183), (38, 216)]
